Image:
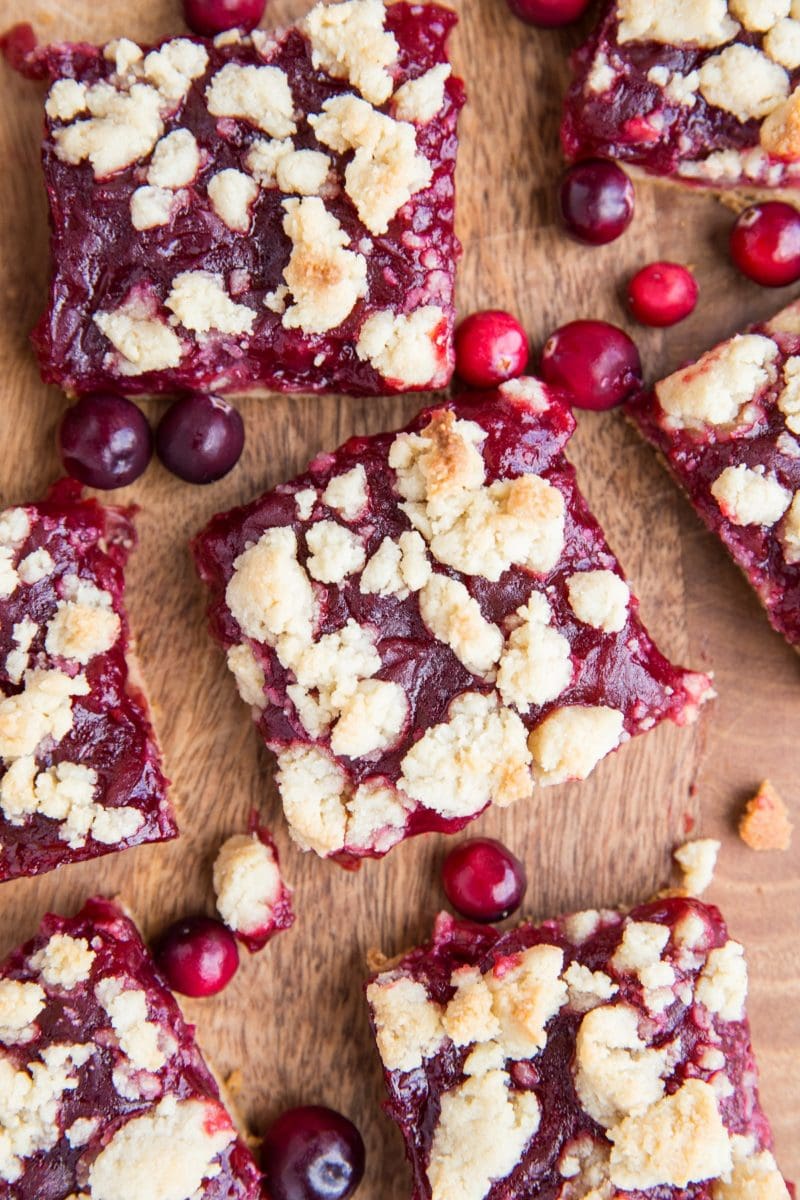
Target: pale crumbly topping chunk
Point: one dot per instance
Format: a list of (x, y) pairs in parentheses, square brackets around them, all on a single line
[(755, 1175), (370, 719), (789, 396), (782, 43), (397, 568), (269, 593), (480, 750), (454, 617), (779, 134), (248, 673), (43, 709), (304, 172), (139, 1038), (313, 790), (376, 817), (188, 1134), (408, 1025), (402, 347), (525, 996), (639, 952), (588, 988), (349, 41), (570, 742), (247, 883), (717, 388), (536, 663), (122, 128), (749, 496), (35, 566), (151, 207), (175, 161), (142, 339), (744, 81), (616, 1073), (679, 1140), (124, 54), (697, 861), (347, 493), (386, 169), (65, 793), (64, 961), (599, 599), (469, 1015), (419, 100), (765, 824), (260, 95), (30, 1098), (483, 1129), (66, 99), (704, 23), (335, 552), (200, 303), (722, 986), (173, 68), (324, 278), (759, 16), (232, 195), (81, 629), (20, 1005)]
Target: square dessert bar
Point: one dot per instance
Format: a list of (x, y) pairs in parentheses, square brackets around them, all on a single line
[(430, 620), (728, 428), (80, 769), (700, 92), (261, 211), (103, 1090), (589, 1056)]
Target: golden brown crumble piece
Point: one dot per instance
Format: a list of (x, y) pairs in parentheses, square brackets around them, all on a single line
[(765, 824)]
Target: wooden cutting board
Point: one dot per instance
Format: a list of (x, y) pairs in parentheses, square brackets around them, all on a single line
[(293, 1020)]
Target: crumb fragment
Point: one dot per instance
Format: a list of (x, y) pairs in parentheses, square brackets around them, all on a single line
[(765, 824)]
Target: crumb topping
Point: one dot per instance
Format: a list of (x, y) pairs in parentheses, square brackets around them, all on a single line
[(722, 986), (247, 883), (419, 100), (570, 742), (349, 41), (175, 161), (142, 339), (404, 348), (232, 195), (744, 81), (397, 568), (455, 618), (248, 673), (705, 23), (200, 303), (347, 493), (325, 279), (599, 599), (749, 496), (408, 1025), (697, 861), (536, 663), (123, 127), (765, 824), (617, 1074), (64, 961), (20, 1005), (138, 1037), (259, 95), (716, 389), (151, 207)]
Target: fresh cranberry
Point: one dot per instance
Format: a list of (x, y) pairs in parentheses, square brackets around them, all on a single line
[(548, 13), (16, 45), (596, 199), (595, 361), (200, 438), (483, 880), (491, 347), (313, 1153), (198, 956), (765, 243), (209, 17), (105, 441), (662, 293)]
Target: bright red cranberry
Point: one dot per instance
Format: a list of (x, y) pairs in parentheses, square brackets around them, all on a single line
[(765, 243), (662, 293), (200, 438), (548, 13), (105, 441), (198, 956), (313, 1153), (595, 361), (491, 346), (209, 17), (483, 880), (597, 200)]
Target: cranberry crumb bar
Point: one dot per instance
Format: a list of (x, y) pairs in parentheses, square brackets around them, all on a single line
[(253, 899), (728, 426), (260, 211), (431, 620), (596, 1054), (103, 1090), (701, 92), (80, 770)]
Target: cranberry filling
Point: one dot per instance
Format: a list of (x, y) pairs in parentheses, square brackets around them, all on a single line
[(110, 731), (114, 1086), (100, 262)]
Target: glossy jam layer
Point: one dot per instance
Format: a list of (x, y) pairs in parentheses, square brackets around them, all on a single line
[(98, 256), (697, 459), (636, 121), (624, 670), (111, 731), (414, 1097), (76, 1017)]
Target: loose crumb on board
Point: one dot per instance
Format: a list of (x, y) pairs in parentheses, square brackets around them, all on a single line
[(765, 824)]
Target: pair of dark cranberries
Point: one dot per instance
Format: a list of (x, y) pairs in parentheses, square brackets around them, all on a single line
[(106, 441)]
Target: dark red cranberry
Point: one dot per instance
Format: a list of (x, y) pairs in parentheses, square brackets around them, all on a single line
[(197, 956), (662, 293), (313, 1153), (765, 243), (105, 441), (595, 361), (597, 200), (200, 438), (548, 13), (483, 880), (209, 17), (16, 45), (491, 347)]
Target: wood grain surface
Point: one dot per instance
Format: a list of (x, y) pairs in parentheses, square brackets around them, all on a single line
[(293, 1020)]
